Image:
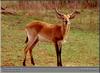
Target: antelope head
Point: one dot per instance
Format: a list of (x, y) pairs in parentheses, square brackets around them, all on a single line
[(66, 18)]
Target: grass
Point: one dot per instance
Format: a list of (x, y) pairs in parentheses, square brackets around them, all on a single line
[(81, 48)]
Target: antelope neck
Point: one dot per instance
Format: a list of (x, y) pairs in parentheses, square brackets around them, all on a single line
[(65, 27)]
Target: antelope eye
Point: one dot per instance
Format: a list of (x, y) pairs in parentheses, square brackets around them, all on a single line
[(66, 22)]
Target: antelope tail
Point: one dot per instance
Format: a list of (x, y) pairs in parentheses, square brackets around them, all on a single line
[(26, 40)]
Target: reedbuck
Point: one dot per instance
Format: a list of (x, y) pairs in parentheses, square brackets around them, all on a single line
[(42, 31)]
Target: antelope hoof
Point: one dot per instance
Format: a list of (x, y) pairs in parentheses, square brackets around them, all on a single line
[(60, 65), (32, 62), (24, 63)]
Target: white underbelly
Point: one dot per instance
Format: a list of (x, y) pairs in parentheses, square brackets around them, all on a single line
[(43, 38)]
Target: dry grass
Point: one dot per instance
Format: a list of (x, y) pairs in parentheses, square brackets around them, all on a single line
[(81, 49)]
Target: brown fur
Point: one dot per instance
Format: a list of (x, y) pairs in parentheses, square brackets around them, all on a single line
[(54, 33)]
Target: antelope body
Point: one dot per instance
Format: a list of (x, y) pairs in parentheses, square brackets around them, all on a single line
[(42, 31), (47, 32)]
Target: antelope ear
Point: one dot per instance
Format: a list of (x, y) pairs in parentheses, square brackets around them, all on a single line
[(59, 15), (73, 14)]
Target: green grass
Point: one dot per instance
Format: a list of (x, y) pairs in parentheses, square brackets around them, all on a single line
[(81, 48)]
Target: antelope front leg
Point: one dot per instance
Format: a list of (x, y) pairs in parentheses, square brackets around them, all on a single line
[(58, 47)]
